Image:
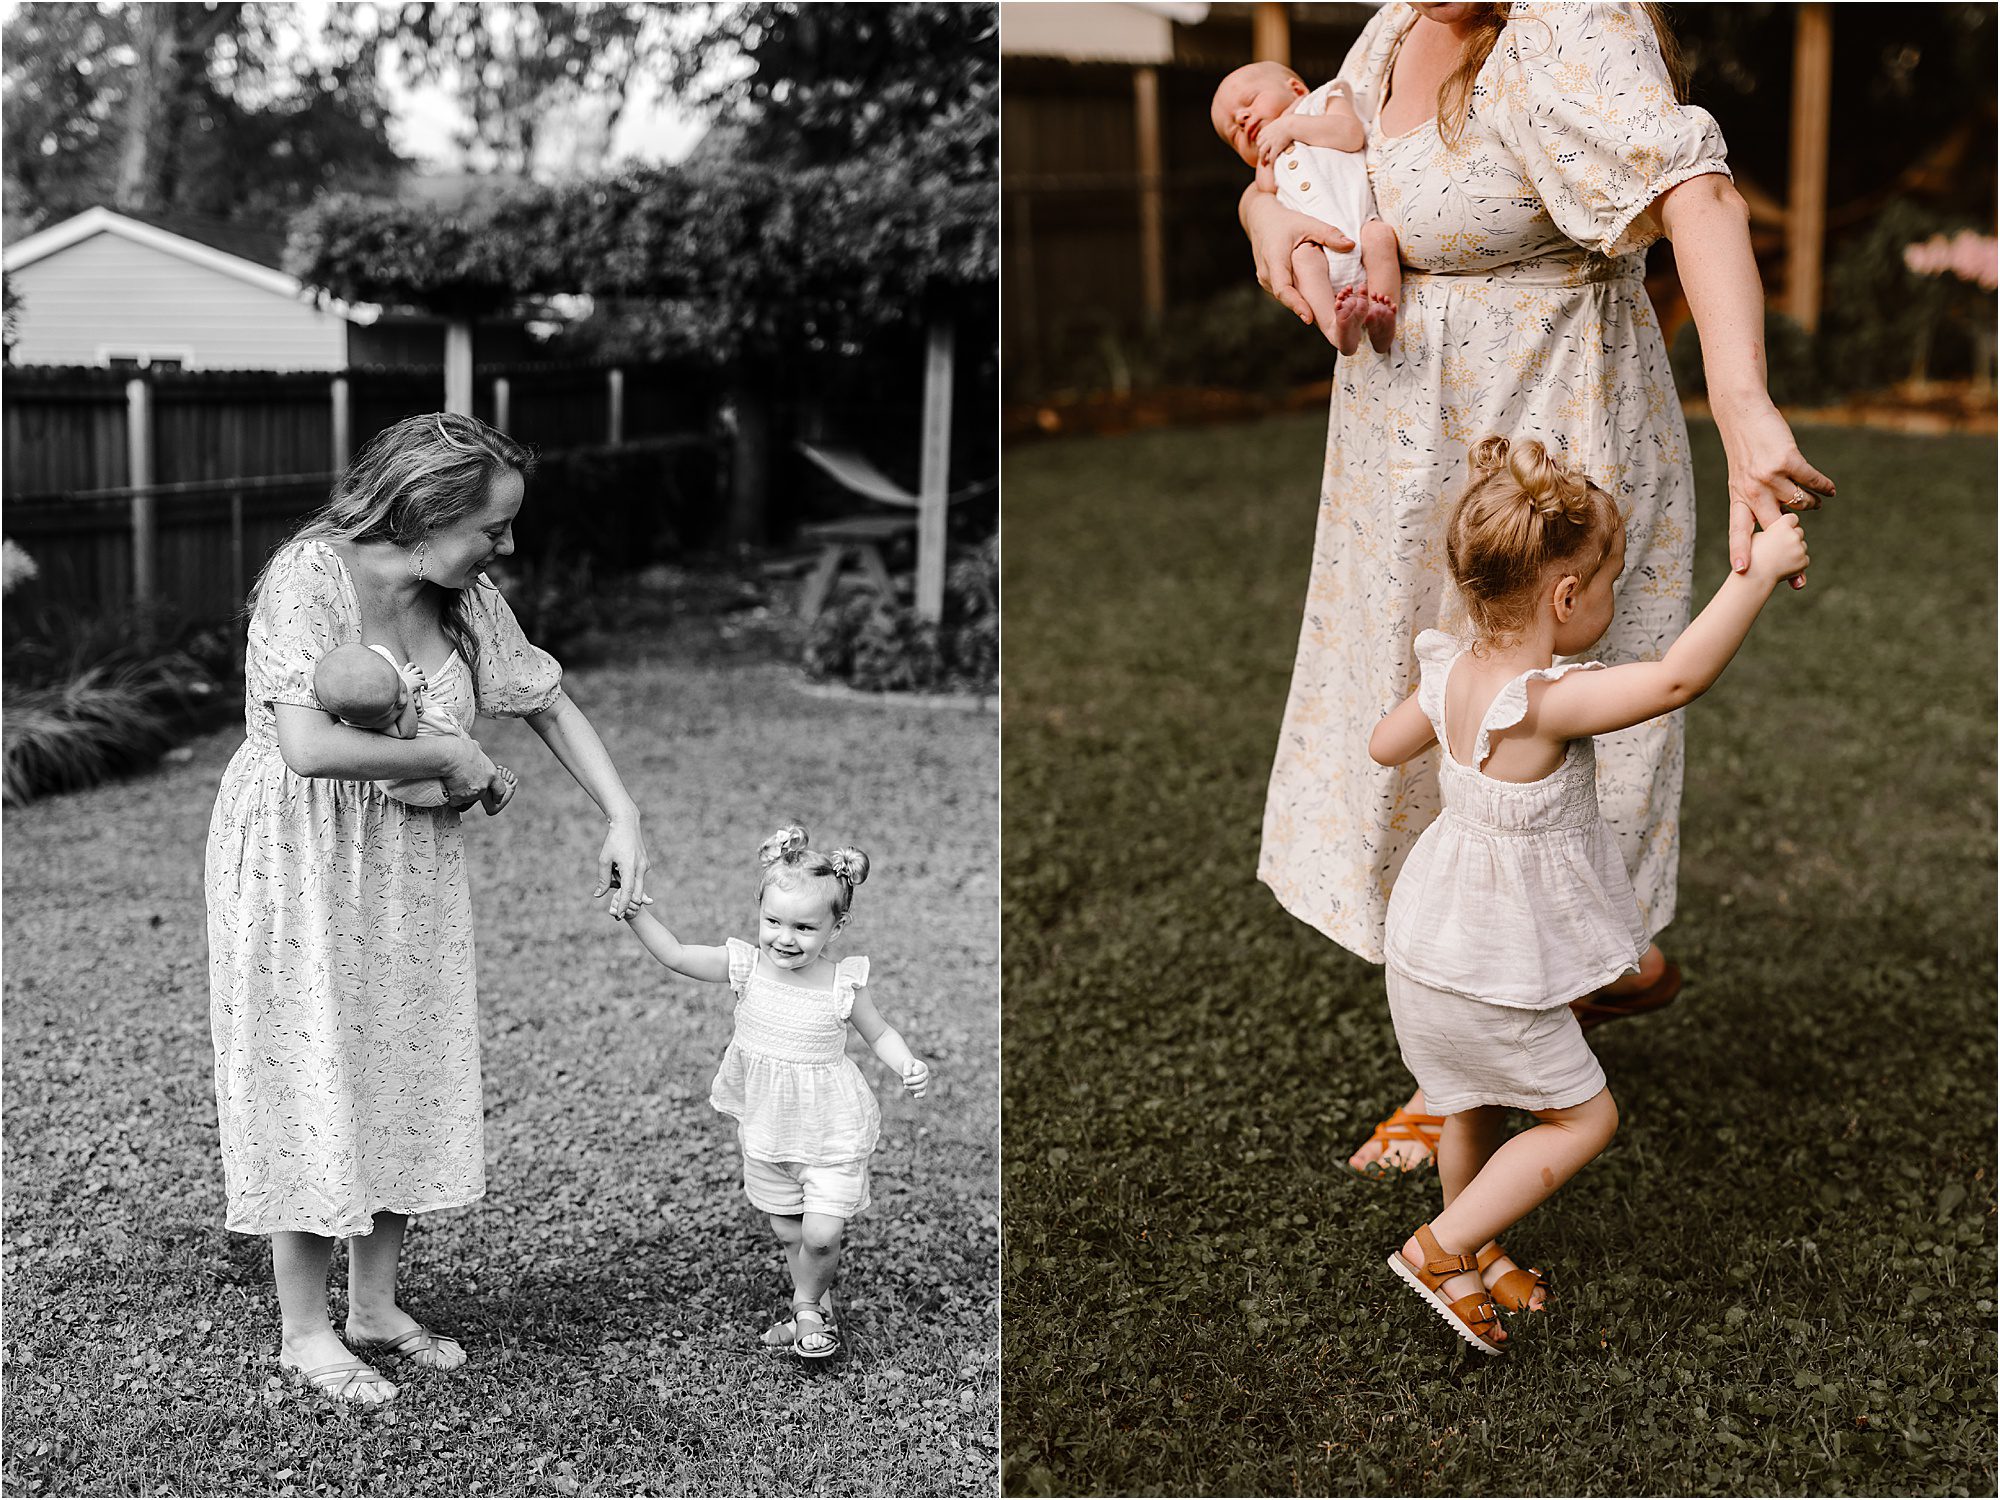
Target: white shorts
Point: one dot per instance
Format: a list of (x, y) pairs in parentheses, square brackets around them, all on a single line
[(790, 1188), (1467, 1053)]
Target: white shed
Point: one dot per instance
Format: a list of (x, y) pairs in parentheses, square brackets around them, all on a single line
[(104, 288)]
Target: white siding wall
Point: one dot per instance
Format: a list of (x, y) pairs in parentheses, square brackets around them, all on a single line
[(107, 291)]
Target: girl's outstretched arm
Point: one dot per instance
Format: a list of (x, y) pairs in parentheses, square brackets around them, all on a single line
[(889, 1044), (711, 964), (1585, 703), (1403, 735)]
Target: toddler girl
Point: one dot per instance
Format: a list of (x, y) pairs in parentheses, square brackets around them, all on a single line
[(363, 687), (1515, 901), (806, 1118)]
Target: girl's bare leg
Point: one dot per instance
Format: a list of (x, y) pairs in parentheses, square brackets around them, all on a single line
[(1467, 1143), (1517, 1177), (372, 1314), (1382, 261), (300, 1262)]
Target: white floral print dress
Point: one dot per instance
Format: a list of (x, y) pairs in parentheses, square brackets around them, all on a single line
[(341, 979), (1524, 312)]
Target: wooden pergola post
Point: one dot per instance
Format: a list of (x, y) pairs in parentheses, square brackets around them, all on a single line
[(1271, 32), (458, 365), (1152, 236), (341, 396), (934, 471), (1805, 213)]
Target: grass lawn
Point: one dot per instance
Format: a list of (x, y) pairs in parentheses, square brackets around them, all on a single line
[(611, 1285), (1780, 1277)]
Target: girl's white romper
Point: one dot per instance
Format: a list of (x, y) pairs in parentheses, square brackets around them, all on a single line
[(1513, 903), (787, 1078)]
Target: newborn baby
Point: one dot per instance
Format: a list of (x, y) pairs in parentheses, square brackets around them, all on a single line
[(363, 687)]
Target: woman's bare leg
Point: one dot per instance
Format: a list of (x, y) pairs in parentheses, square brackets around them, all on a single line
[(1403, 1156), (372, 1313), (300, 1262)]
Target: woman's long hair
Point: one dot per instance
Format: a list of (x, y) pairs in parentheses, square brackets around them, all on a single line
[(1455, 93), (411, 479)]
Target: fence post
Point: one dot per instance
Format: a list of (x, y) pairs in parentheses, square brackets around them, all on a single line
[(934, 474), (614, 391), (236, 545), (343, 425), (139, 474), (503, 403)]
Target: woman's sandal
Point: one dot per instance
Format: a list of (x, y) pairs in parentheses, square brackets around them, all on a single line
[(337, 1381), (1515, 1290), (1401, 1126), (1473, 1317), (822, 1342), (1595, 1010), (414, 1346)]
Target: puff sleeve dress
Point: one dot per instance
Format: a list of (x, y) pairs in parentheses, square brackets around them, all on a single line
[(1524, 312), (341, 977)]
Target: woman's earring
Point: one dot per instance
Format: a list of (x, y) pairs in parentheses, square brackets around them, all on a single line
[(417, 561)]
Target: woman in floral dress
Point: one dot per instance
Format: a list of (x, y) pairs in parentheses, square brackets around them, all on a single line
[(1525, 155), (342, 992)]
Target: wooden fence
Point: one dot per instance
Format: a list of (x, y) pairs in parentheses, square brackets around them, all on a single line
[(168, 490)]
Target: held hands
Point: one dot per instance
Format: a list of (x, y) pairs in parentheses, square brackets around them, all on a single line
[(622, 865), (1779, 551), (1768, 476), (916, 1077)]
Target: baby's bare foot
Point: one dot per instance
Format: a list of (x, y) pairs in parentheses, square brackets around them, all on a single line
[(1381, 320), (1350, 319)]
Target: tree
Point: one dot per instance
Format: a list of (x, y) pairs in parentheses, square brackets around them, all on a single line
[(220, 109), (513, 65)]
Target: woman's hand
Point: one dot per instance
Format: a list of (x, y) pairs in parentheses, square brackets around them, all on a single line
[(621, 868), (1275, 232), (467, 771), (1768, 476)]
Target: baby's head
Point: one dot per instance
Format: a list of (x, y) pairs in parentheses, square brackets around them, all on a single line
[(360, 687), (1531, 534), (1248, 100), (803, 898)]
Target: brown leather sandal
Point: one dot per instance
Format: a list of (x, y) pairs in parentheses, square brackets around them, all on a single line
[(1595, 1010), (1514, 1290), (1473, 1316), (1402, 1126)]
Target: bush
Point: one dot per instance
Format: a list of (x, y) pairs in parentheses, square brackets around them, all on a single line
[(556, 598), (878, 644), (1884, 322), (110, 718), (1236, 340), (87, 698)]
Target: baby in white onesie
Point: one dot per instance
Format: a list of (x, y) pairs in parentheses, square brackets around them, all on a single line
[(362, 686), (1307, 147)]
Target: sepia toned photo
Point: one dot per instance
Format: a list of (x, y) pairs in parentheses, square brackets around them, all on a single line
[(1499, 988)]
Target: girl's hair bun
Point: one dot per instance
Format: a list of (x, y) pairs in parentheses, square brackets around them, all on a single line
[(791, 839), (851, 865), (1548, 483)]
